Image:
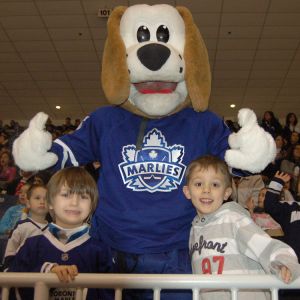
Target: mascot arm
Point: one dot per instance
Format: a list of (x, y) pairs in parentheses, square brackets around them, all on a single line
[(79, 148), (252, 148), (33, 150), (217, 138), (30, 149)]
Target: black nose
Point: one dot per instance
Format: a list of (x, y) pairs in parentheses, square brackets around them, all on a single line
[(153, 56)]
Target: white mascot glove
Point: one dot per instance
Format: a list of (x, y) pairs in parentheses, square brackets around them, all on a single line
[(30, 148), (252, 148)]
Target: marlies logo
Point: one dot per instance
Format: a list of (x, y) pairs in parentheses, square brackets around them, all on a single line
[(156, 167)]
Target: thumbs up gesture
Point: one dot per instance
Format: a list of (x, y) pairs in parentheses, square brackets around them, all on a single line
[(252, 148), (30, 149)]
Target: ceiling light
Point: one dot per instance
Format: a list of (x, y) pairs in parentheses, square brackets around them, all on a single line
[(57, 107), (232, 105)]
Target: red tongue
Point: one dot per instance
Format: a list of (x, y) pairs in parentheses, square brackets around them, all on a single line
[(155, 87)]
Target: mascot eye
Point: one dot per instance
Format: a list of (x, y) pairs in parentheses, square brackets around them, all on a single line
[(162, 34), (143, 34)]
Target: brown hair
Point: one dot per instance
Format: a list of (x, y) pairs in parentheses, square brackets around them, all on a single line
[(209, 161), (78, 180), (33, 187)]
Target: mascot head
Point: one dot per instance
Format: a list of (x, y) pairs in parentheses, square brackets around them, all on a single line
[(155, 61)]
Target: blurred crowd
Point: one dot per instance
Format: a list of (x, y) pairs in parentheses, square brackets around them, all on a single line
[(11, 177)]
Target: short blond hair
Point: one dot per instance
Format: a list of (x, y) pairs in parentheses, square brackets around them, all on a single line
[(209, 161), (78, 180)]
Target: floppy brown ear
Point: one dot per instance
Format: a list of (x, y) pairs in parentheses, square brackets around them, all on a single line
[(114, 76), (197, 73)]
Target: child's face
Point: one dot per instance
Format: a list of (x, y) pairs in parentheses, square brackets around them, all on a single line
[(261, 198), (207, 190), (22, 194), (37, 202), (70, 210)]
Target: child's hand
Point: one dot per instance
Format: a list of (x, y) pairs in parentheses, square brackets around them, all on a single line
[(65, 273), (285, 274), (283, 176)]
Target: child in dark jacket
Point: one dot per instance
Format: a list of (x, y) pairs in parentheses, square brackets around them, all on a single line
[(287, 214), (65, 247)]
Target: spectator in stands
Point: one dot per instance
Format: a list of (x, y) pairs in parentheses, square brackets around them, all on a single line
[(4, 141), (291, 143), (66, 248), (223, 237), (280, 149), (294, 138), (261, 218), (12, 125), (41, 177), (286, 194), (33, 225), (55, 134), (15, 186), (271, 124), (15, 213), (68, 126), (7, 169), (274, 166), (77, 123), (291, 165), (49, 126), (245, 188), (291, 125), (286, 214)]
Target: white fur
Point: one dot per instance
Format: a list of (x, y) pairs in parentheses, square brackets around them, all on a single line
[(156, 105), (30, 148), (252, 148), (153, 16)]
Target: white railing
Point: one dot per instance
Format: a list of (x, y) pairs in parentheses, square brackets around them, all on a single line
[(155, 282)]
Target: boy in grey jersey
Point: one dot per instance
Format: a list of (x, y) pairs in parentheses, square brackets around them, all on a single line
[(223, 237)]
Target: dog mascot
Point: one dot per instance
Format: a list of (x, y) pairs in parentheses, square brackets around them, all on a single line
[(156, 75)]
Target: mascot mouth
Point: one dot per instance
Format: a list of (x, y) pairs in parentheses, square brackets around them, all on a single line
[(155, 87)]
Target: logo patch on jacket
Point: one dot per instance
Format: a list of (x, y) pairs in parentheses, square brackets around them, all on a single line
[(157, 167)]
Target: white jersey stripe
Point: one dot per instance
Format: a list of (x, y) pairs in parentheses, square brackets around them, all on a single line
[(68, 151)]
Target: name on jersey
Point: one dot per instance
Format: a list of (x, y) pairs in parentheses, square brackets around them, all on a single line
[(152, 168), (206, 244)]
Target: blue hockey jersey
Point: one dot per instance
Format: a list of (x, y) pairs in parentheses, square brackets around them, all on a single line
[(142, 208), (41, 251)]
